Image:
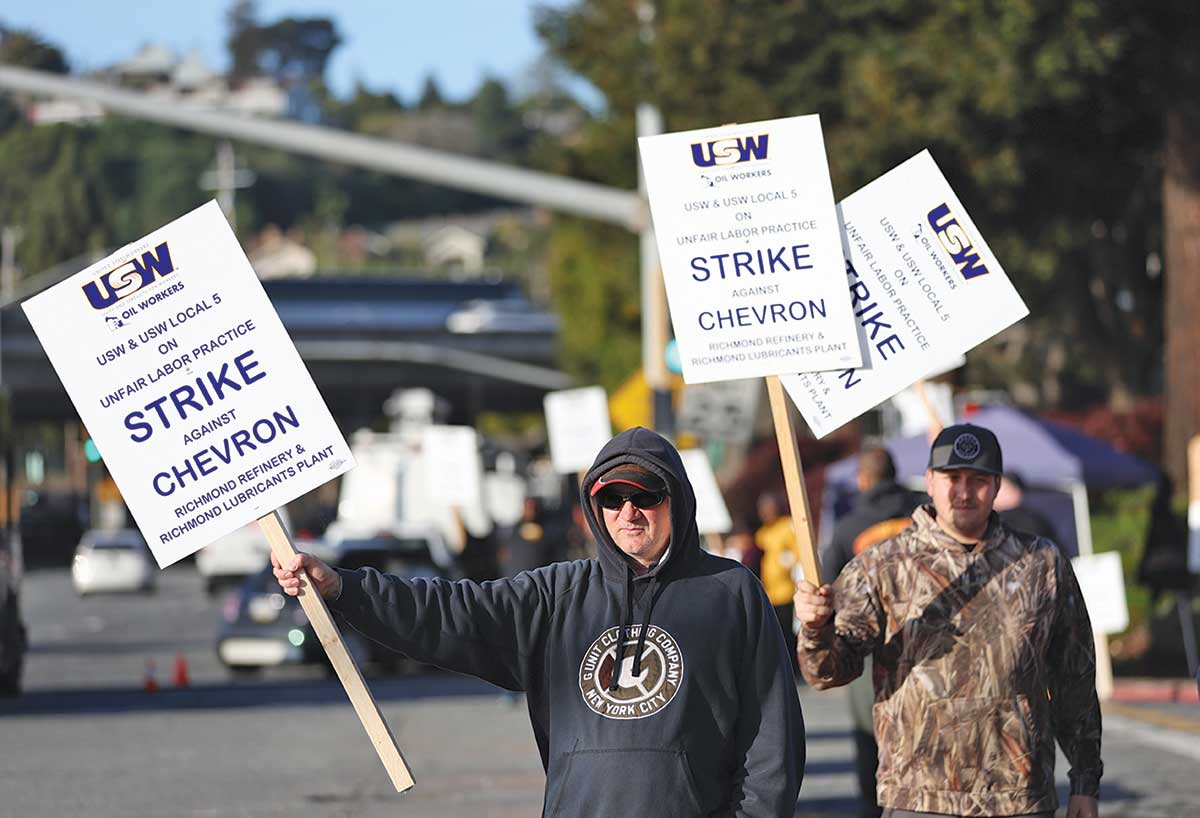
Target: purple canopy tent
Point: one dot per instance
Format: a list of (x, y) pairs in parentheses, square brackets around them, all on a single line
[(1058, 464)]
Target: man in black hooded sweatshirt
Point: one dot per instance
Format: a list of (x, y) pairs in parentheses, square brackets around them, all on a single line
[(657, 680)]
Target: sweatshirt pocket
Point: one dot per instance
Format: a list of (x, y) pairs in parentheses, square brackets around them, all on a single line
[(964, 745), (625, 782)]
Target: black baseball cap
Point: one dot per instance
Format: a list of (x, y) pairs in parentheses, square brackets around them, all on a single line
[(966, 446), (632, 475)]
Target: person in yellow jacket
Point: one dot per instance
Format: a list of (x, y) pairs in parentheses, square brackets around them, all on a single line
[(777, 540)]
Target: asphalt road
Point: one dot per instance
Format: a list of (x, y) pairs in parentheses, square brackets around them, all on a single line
[(86, 740)]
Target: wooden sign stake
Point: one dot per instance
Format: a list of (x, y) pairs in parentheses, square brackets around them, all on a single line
[(343, 663), (793, 478)]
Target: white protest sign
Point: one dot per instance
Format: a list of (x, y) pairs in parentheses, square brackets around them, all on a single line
[(451, 467), (721, 410), (578, 425), (947, 366), (923, 285), (504, 491), (184, 376), (914, 416), (751, 250), (1103, 586), (712, 517)]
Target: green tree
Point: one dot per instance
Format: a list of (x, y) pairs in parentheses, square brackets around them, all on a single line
[(240, 19), (594, 284), (26, 50), (293, 51), (50, 188), (503, 135), (149, 173), (369, 112), (431, 95)]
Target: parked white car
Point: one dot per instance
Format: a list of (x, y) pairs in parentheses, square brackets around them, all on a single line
[(113, 560)]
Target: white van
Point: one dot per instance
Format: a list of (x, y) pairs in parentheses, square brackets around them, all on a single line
[(236, 556)]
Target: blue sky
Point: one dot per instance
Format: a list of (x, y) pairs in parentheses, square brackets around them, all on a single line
[(387, 45)]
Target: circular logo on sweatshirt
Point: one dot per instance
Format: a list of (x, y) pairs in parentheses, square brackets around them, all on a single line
[(635, 696), (967, 446)]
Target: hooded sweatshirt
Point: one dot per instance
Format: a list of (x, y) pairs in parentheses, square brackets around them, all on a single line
[(702, 718), (982, 659)]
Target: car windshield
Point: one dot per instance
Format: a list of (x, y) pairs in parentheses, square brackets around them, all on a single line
[(117, 545), (418, 545), (262, 582), (127, 540)]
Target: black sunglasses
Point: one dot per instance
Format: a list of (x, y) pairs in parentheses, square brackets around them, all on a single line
[(615, 500)]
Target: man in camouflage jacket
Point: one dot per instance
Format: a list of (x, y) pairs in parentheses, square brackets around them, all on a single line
[(983, 651)]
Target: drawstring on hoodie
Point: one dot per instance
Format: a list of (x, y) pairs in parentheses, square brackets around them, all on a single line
[(641, 644), (626, 621)]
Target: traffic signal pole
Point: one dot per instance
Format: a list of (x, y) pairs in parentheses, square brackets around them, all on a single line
[(588, 199), (655, 330)]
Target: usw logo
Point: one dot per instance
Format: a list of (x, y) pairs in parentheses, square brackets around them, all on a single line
[(956, 241), (729, 151), (128, 278)]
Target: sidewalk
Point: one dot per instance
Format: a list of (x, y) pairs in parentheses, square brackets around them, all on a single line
[(1170, 703)]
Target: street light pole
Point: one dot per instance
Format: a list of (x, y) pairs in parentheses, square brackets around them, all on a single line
[(587, 199), (9, 236), (654, 306), (590, 200), (655, 328)]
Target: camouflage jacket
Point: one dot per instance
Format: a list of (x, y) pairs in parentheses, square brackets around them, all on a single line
[(982, 659)]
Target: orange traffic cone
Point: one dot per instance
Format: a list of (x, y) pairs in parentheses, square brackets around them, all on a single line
[(150, 684), (181, 670)]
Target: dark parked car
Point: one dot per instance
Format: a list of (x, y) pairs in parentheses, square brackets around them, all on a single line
[(13, 640), (263, 627), (50, 527), (412, 551)]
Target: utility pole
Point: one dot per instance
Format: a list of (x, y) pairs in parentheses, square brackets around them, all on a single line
[(226, 178), (654, 299), (9, 237)]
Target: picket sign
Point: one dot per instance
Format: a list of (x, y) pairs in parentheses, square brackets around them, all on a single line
[(712, 517), (925, 285), (234, 428), (343, 663), (793, 477), (751, 249), (1102, 584), (577, 427), (755, 276), (841, 306)]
